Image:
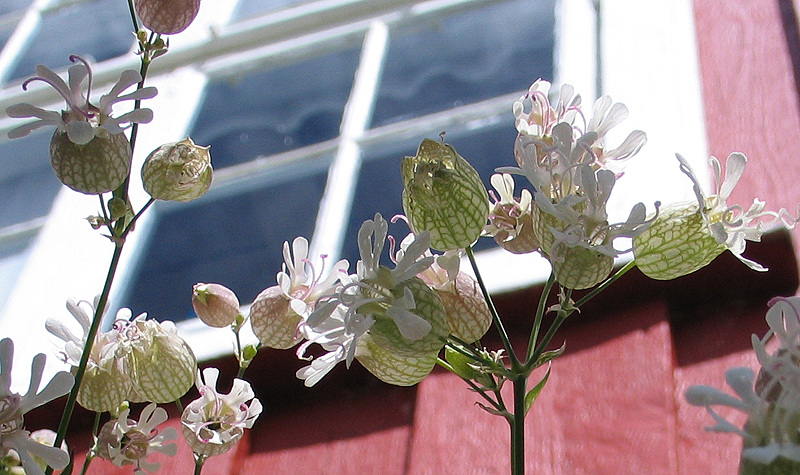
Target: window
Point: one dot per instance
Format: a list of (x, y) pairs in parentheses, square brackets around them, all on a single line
[(308, 107)]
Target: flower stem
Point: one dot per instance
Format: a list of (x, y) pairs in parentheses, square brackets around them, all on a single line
[(87, 349), (537, 322), (515, 363), (518, 426), (199, 460)]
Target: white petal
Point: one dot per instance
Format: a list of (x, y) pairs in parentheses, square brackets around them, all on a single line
[(734, 168)]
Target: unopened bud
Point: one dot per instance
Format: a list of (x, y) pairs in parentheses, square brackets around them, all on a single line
[(468, 315), (178, 171), (167, 16), (444, 195), (99, 166), (216, 305)]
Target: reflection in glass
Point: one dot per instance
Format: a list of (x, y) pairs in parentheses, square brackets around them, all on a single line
[(271, 111), (466, 57), (96, 30)]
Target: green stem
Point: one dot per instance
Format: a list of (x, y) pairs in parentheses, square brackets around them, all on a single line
[(515, 363), (518, 427), (540, 310), (622, 271), (87, 349), (198, 464)]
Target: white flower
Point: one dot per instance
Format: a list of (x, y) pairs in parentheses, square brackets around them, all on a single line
[(732, 226), (13, 407), (214, 422), (343, 316), (771, 400), (82, 120), (124, 441)]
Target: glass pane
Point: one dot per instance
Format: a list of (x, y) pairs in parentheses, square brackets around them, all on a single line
[(272, 111), (236, 241), (465, 57), (8, 6), (27, 182), (380, 184), (98, 30), (250, 8)]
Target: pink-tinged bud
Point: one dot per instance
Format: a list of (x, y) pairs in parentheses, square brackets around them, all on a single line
[(216, 305), (99, 166), (167, 17), (177, 171)]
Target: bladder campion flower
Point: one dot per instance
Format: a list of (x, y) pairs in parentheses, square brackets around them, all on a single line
[(124, 441), (688, 236), (444, 195), (511, 219), (401, 317), (214, 422), (13, 408), (771, 400), (177, 171), (167, 17), (278, 310), (215, 305), (88, 151)]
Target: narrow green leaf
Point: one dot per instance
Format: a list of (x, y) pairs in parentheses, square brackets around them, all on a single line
[(534, 392)]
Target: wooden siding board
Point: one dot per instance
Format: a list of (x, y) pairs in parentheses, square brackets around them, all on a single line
[(607, 409), (750, 96)]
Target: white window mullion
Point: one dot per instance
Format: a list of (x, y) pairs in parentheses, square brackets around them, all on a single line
[(22, 36), (335, 207)]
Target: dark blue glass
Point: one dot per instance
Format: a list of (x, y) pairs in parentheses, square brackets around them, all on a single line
[(469, 56), (8, 6), (236, 241), (96, 30), (271, 111), (380, 184), (27, 182)]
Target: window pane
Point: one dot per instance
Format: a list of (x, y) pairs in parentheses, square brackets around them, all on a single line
[(236, 241), (465, 57), (27, 182), (272, 111), (99, 30), (380, 185), (8, 6)]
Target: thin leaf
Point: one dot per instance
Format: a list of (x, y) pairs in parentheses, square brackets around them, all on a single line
[(534, 392)]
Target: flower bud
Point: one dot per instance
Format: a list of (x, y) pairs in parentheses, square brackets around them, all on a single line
[(93, 168), (215, 304), (163, 364), (177, 171), (393, 368), (468, 316), (167, 16), (273, 320), (460, 363), (444, 195), (679, 242)]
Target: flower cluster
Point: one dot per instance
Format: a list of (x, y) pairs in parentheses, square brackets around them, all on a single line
[(771, 399), (572, 174), (137, 360)]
